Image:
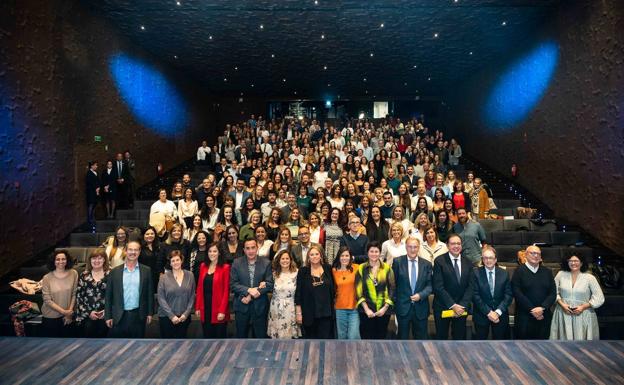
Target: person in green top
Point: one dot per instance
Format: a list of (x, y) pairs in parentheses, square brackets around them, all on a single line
[(374, 287)]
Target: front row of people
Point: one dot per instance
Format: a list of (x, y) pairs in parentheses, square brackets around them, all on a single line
[(316, 300)]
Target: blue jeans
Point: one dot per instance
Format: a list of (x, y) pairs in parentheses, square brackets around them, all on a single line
[(348, 324)]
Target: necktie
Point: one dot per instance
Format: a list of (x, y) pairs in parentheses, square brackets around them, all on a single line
[(119, 168), (456, 267), (491, 282), (413, 276)]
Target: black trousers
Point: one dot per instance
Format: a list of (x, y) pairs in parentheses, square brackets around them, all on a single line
[(457, 325), (214, 330), (375, 328), (91, 214), (130, 326), (54, 327), (528, 328), (94, 329), (169, 330), (247, 321), (500, 330), (122, 195), (321, 328), (418, 326)]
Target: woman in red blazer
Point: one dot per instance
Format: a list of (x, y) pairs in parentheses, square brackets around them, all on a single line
[(213, 294)]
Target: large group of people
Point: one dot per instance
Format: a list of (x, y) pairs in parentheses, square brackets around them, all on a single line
[(320, 232)]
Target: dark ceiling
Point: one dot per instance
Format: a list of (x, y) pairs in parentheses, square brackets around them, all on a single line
[(299, 49)]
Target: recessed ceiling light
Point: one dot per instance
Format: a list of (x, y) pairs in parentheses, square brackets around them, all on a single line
[(470, 53), (272, 55), (372, 54), (435, 35), (295, 92), (261, 26), (252, 85), (210, 37), (328, 84), (366, 91), (405, 83), (225, 79), (504, 23), (455, 1), (142, 28), (324, 67), (175, 56), (415, 66), (284, 79), (364, 79), (235, 68), (429, 78), (323, 36), (178, 3), (241, 94), (381, 25), (315, 2)]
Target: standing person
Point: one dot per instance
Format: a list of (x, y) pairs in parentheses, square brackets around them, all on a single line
[(472, 236), (347, 317), (176, 297), (535, 292), (213, 294), (492, 296), (413, 286), (314, 297), (395, 246), (150, 249), (452, 289), (578, 295), (374, 285), (333, 234), (132, 177), (90, 295), (282, 319), (93, 193), (110, 189), (121, 175), (251, 280), (354, 240), (58, 289), (129, 296), (301, 248)]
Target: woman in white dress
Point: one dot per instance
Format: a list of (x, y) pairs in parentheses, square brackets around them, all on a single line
[(578, 295), (282, 317)]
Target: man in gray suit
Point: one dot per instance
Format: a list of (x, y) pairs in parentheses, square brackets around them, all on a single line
[(300, 250), (413, 286), (251, 279)]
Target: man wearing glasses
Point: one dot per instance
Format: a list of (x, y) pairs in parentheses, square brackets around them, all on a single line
[(535, 292), (355, 241), (300, 250)]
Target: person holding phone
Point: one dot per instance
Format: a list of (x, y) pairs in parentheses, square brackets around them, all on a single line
[(90, 295)]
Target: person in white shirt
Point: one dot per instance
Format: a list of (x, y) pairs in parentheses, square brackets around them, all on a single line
[(421, 192), (395, 246), (187, 208), (202, 152)]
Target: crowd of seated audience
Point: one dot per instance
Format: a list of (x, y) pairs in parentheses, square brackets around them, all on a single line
[(321, 232)]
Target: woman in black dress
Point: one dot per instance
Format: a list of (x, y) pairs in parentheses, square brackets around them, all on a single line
[(109, 195), (149, 253)]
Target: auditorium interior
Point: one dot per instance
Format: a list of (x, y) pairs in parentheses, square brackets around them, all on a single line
[(532, 91)]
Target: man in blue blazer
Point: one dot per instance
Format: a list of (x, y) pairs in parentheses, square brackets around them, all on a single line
[(239, 194), (452, 287), (251, 279), (492, 296), (413, 286)]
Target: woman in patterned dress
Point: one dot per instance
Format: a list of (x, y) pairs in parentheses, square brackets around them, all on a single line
[(282, 320)]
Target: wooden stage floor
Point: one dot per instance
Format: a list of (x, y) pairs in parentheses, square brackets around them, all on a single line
[(228, 362)]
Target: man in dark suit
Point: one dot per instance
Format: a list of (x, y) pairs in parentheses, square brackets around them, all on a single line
[(411, 178), (413, 286), (239, 194), (122, 178), (129, 296), (492, 296), (299, 251), (92, 192), (251, 279), (452, 287)]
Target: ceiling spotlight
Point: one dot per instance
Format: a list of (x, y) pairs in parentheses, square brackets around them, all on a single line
[(328, 84), (273, 55), (225, 79), (405, 83), (324, 67), (284, 80), (504, 23), (252, 85), (210, 37), (235, 68), (178, 3), (366, 91), (295, 92), (455, 1), (364, 79), (381, 25), (175, 56), (429, 78), (372, 54), (323, 36), (142, 28), (241, 94), (470, 53), (261, 26), (435, 35), (315, 2), (415, 66)]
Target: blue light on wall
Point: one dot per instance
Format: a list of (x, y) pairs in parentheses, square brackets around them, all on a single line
[(521, 87), (153, 100)]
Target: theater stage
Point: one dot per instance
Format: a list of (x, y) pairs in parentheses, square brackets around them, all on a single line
[(228, 362)]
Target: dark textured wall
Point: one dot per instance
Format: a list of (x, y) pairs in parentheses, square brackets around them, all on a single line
[(570, 150), (56, 93)]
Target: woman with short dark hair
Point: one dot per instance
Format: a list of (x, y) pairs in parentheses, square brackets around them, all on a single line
[(58, 288), (176, 298), (90, 295)]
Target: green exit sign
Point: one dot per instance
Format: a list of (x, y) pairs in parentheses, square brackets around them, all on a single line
[(97, 138)]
